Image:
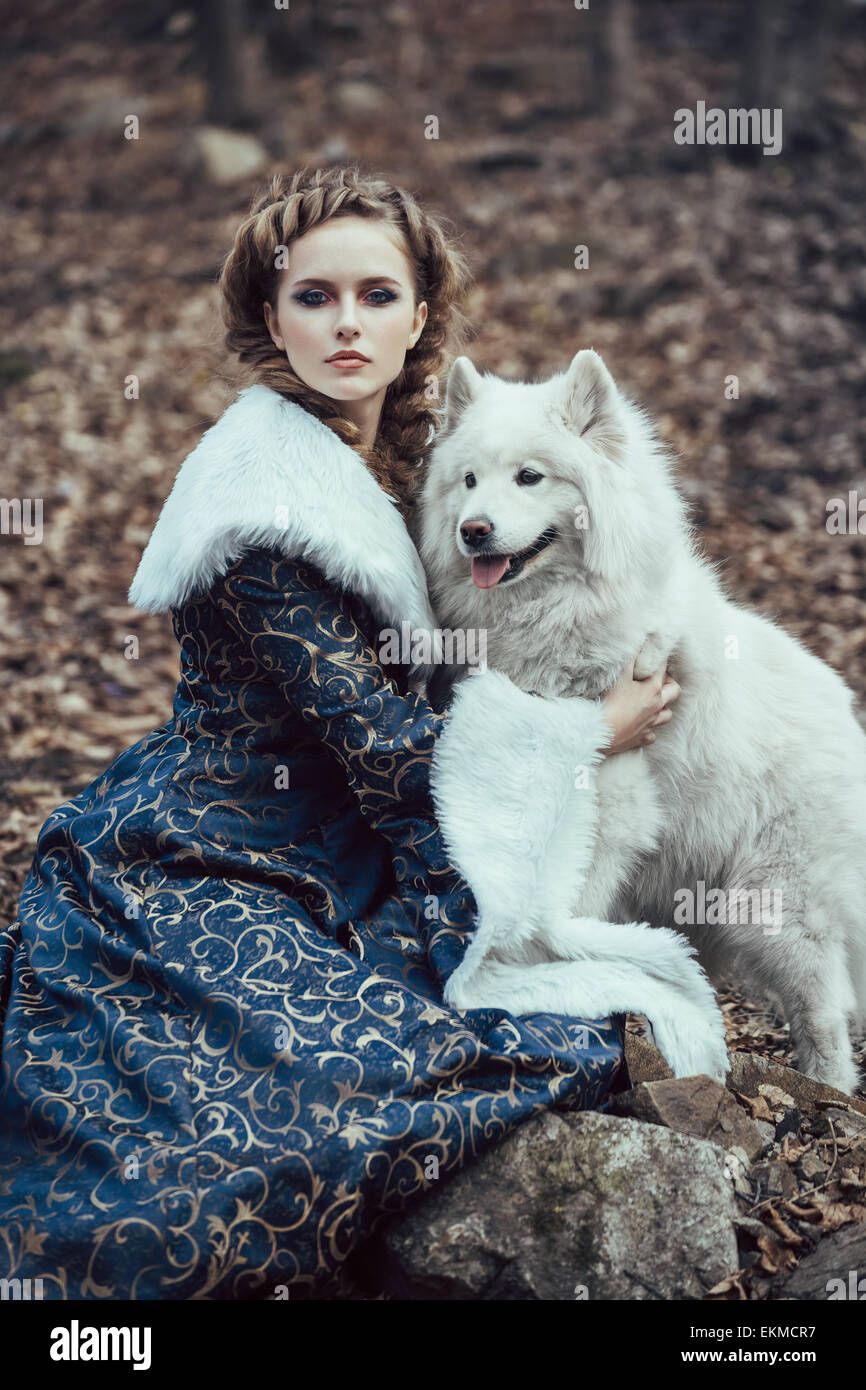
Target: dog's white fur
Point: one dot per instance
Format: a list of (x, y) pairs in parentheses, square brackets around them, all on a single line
[(759, 779), (501, 774), (523, 836)]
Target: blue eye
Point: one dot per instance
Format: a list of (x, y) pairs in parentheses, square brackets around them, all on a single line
[(304, 298)]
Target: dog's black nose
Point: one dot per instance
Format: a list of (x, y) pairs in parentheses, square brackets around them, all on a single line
[(476, 532)]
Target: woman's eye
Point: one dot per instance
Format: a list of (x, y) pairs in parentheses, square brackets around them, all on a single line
[(312, 299), (528, 476), (470, 480)]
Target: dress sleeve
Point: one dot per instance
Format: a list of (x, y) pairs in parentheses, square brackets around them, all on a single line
[(316, 645)]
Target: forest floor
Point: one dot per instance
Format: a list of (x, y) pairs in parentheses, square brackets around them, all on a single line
[(702, 266)]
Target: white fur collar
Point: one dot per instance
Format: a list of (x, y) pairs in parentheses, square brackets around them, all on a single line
[(270, 473)]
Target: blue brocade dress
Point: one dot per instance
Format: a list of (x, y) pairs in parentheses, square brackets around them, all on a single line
[(225, 1051)]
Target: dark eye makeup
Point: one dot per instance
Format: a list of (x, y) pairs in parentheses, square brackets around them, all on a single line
[(304, 298)]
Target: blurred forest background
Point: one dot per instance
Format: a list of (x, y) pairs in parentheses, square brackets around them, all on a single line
[(555, 130)]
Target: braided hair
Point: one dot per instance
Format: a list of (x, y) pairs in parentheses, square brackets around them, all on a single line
[(284, 211)]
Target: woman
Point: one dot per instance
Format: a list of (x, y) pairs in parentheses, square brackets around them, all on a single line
[(226, 1049)]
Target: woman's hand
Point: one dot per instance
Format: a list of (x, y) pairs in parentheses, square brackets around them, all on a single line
[(632, 707)]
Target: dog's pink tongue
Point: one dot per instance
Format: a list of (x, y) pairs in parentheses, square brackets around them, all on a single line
[(487, 570)]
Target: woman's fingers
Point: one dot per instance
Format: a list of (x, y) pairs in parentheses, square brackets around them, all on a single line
[(657, 679), (635, 704)]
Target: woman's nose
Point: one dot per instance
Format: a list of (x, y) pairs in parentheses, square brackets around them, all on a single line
[(347, 319)]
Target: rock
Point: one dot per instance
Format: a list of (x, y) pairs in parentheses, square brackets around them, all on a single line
[(831, 1119), (227, 155), (836, 1269), (848, 1124), (336, 148), (360, 98), (570, 1206), (767, 1133), (811, 1169), (695, 1105), (749, 1228), (643, 1061), (789, 1123), (774, 1179), (749, 1071), (856, 1154)]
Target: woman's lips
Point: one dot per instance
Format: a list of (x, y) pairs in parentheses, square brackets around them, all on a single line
[(345, 362)]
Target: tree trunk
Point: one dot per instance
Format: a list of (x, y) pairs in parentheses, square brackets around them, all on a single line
[(613, 59), (221, 33)]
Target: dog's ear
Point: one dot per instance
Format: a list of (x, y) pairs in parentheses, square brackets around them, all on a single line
[(462, 387), (591, 404)]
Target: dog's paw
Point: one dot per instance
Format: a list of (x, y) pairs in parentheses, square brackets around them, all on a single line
[(838, 1072), (693, 1046)]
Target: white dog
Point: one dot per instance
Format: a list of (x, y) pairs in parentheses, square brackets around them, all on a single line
[(550, 518)]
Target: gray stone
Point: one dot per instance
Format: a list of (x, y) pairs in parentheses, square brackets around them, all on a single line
[(750, 1227), (847, 1124), (774, 1179), (227, 156), (828, 1270), (695, 1105), (767, 1133), (749, 1071), (812, 1169), (360, 98), (570, 1206), (855, 1153)]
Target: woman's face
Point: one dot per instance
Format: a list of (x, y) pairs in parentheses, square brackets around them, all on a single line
[(347, 288)]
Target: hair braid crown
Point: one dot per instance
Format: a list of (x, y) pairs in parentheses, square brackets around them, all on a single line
[(279, 214)]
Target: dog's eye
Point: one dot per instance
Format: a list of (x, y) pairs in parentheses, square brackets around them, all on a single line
[(470, 480), (528, 476)]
